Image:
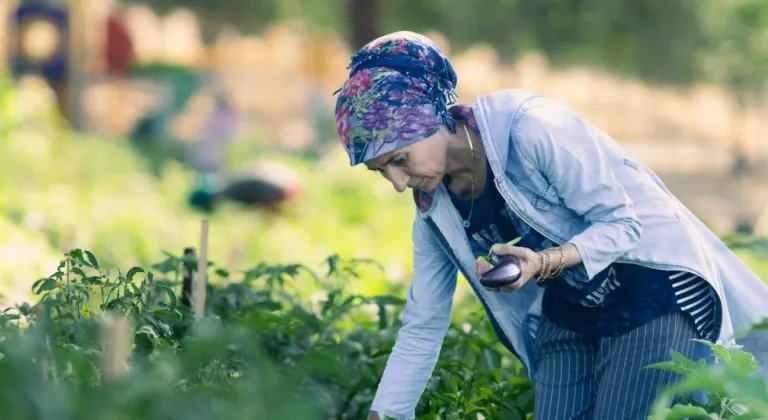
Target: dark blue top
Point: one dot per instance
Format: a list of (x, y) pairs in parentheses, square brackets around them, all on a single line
[(615, 301)]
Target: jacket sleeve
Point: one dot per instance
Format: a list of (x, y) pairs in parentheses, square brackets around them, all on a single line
[(425, 322), (566, 149)]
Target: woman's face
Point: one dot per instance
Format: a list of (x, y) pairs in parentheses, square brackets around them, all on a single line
[(420, 165)]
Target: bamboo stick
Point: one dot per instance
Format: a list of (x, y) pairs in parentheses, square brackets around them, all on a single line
[(202, 269), (116, 345)]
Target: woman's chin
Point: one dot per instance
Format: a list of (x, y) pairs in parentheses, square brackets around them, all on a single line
[(428, 186)]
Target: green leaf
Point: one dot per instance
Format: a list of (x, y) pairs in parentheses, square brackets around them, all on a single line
[(721, 351), (383, 318), (46, 285), (76, 254), (328, 304), (669, 366), (680, 412), (132, 272), (744, 363), (92, 259), (96, 280), (169, 292), (37, 283), (389, 300), (135, 289)]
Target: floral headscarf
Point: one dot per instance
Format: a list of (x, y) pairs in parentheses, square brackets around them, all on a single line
[(398, 92)]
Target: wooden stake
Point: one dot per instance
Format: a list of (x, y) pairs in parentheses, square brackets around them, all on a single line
[(188, 279), (202, 270), (77, 51), (42, 323), (116, 345)]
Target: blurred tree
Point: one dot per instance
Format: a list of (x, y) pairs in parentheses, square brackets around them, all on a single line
[(737, 57), (251, 16), (656, 40), (661, 41), (364, 21), (494, 22), (246, 15)]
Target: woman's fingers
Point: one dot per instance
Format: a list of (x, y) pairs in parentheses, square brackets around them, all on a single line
[(524, 254), (482, 266), (503, 249)]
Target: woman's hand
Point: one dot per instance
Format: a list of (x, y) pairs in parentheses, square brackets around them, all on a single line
[(530, 263)]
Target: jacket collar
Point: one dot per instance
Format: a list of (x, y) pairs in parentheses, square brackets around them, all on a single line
[(503, 108)]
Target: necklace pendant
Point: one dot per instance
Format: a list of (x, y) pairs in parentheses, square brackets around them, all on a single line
[(466, 224)]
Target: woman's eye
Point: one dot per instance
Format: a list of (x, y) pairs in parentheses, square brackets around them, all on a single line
[(400, 161), (378, 171)]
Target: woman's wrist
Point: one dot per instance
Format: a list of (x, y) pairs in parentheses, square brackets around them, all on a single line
[(538, 264), (545, 266), (552, 262)]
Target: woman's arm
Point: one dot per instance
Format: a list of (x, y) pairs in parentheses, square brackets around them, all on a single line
[(425, 323), (566, 149)]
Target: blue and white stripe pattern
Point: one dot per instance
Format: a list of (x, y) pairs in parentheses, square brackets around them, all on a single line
[(696, 298), (582, 378)]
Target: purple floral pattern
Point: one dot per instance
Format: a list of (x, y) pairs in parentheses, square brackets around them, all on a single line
[(397, 94)]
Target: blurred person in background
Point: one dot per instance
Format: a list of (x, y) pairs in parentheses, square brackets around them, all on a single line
[(219, 127), (616, 271), (258, 185)]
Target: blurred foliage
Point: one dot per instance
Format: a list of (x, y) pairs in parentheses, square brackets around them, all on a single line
[(655, 40), (664, 41), (752, 250), (737, 54), (283, 338), (62, 190), (261, 350), (733, 389)]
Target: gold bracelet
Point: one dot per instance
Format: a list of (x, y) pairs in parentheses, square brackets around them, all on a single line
[(563, 260), (538, 277), (549, 265), (546, 267)]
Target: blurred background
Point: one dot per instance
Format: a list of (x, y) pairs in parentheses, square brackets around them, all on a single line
[(123, 123)]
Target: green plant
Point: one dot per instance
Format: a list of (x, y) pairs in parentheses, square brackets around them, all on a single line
[(261, 351), (733, 388)]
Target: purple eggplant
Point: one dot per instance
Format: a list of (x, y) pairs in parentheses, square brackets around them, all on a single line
[(507, 270), (495, 259)]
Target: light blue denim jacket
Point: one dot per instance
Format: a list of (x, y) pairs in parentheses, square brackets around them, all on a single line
[(573, 183)]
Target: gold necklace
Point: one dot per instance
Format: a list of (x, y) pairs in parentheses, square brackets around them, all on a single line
[(466, 223)]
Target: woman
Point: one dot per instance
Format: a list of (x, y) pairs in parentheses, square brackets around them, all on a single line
[(616, 271)]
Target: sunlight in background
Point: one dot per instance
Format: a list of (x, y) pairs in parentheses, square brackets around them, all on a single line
[(280, 83), (39, 40)]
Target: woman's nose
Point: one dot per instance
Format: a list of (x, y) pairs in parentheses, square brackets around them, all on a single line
[(399, 180), (400, 186)]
